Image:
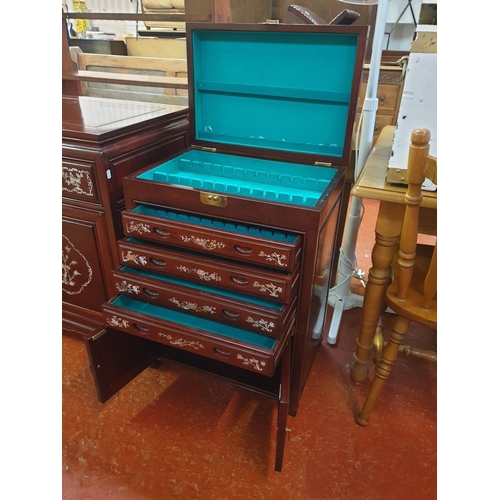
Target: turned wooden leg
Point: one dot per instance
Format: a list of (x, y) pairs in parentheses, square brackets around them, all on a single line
[(384, 368), (378, 343), (283, 404), (387, 231)]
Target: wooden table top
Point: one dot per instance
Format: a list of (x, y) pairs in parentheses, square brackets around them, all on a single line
[(98, 116), (371, 183)]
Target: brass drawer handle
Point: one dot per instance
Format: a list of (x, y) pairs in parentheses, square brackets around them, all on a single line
[(150, 293), (157, 262), (220, 353), (243, 250), (140, 328), (159, 232), (230, 315), (381, 98), (239, 281)]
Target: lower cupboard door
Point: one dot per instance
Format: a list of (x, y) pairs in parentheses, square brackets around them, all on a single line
[(234, 346)]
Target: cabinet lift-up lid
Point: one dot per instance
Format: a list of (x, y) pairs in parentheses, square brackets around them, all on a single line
[(281, 91)]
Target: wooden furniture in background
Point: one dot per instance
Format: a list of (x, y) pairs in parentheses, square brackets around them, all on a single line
[(389, 91), (96, 46), (102, 141), (328, 11), (371, 184), (412, 294), (170, 74), (345, 17)]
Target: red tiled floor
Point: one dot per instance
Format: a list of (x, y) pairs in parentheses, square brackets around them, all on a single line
[(175, 434)]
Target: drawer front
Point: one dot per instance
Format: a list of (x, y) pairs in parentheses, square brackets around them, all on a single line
[(381, 121), (205, 301), (387, 96), (249, 351), (240, 242), (219, 273), (79, 181)]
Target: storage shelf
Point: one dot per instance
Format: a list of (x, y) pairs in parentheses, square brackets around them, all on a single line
[(268, 91)]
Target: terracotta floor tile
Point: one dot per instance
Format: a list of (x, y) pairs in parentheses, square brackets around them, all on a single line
[(176, 434)]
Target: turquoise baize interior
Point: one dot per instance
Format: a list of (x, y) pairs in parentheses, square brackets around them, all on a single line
[(209, 222), (205, 288), (262, 179), (273, 90), (194, 322)]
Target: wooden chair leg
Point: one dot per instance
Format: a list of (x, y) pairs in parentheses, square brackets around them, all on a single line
[(283, 407), (384, 367), (378, 343)]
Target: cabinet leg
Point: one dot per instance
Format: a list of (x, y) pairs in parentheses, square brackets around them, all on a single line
[(283, 404)]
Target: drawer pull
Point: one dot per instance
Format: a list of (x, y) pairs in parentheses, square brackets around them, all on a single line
[(220, 353), (243, 250), (159, 232), (140, 328), (230, 315), (381, 98), (157, 262), (150, 293), (239, 281)]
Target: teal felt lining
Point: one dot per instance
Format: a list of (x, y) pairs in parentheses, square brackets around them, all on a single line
[(275, 90), (194, 322), (276, 306), (232, 227), (263, 179)]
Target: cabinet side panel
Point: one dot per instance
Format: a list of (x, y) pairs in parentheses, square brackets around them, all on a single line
[(310, 328)]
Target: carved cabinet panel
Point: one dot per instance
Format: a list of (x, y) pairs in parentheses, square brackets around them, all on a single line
[(102, 141)]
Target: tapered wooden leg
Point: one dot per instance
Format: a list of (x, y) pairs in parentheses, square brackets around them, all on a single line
[(387, 231), (384, 367), (283, 404)]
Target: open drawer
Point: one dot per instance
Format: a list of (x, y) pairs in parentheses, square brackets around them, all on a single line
[(233, 346), (217, 272), (232, 308), (238, 241)]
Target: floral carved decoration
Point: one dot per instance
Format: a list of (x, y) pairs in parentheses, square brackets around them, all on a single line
[(266, 326), (203, 242), (273, 290), (274, 257), (203, 275), (192, 306), (255, 363), (77, 181), (138, 227), (179, 342), (129, 256), (118, 322), (76, 271), (127, 287)]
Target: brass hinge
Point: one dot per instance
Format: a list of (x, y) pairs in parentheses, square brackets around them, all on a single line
[(322, 164), (205, 148)]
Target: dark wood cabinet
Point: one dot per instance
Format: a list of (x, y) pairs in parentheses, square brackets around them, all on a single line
[(102, 141), (226, 252)]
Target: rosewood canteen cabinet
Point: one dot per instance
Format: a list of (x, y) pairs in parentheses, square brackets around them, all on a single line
[(226, 256), (102, 141)]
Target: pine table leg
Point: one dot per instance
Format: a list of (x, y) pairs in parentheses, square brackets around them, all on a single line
[(387, 231)]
